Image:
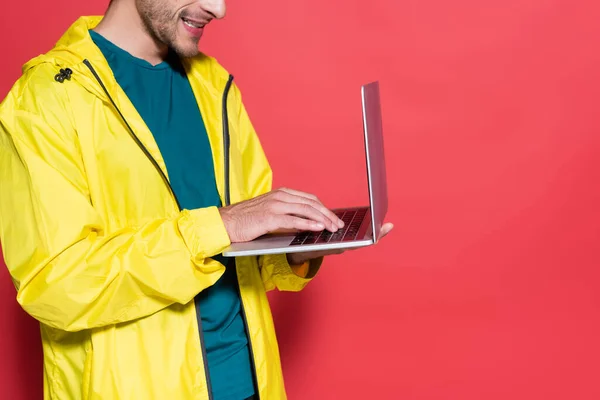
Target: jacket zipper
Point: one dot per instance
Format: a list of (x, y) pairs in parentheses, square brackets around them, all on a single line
[(133, 135), (226, 139), (226, 145), (166, 181), (226, 148), (252, 363)]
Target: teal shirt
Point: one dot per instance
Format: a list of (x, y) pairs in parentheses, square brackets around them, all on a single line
[(163, 97)]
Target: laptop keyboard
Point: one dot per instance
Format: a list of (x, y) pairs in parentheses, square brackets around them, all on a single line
[(352, 217)]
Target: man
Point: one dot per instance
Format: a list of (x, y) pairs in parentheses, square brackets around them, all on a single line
[(116, 181)]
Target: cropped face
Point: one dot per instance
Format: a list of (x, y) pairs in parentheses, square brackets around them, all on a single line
[(179, 24)]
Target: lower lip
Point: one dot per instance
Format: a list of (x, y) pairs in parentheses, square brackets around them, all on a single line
[(197, 32)]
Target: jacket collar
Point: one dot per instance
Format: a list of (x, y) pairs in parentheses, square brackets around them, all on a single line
[(76, 46)]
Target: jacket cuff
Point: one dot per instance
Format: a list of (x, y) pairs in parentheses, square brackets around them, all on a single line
[(203, 232), (284, 275)]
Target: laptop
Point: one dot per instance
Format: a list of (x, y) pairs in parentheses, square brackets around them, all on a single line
[(361, 224)]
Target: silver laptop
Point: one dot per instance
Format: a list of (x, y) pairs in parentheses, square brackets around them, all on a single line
[(362, 224)]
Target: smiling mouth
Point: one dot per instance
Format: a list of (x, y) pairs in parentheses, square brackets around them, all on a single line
[(193, 24)]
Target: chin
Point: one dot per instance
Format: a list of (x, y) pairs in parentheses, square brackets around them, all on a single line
[(186, 51)]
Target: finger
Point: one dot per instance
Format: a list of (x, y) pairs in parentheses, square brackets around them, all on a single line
[(293, 198), (299, 193), (308, 196), (327, 217), (301, 224), (304, 211), (385, 229), (335, 219)]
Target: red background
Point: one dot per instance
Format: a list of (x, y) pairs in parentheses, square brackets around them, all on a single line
[(488, 287)]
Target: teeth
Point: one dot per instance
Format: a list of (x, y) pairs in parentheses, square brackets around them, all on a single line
[(190, 24)]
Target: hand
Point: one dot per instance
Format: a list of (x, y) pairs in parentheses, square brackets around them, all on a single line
[(300, 258), (276, 210)]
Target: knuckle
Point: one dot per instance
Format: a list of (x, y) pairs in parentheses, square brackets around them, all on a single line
[(272, 206), (303, 223), (287, 222), (318, 204), (308, 209)]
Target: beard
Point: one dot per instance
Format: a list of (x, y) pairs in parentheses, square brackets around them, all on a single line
[(161, 24)]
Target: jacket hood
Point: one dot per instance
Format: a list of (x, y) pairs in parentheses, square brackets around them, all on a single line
[(73, 47)]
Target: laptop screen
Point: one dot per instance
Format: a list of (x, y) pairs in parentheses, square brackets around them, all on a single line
[(376, 174)]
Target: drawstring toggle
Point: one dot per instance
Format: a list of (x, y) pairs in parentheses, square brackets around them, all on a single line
[(63, 74)]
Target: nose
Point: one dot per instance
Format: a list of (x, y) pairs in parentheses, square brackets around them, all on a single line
[(216, 8)]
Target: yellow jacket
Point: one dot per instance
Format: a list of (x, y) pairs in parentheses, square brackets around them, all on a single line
[(96, 245)]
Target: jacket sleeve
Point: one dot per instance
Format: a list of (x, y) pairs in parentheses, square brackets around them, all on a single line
[(69, 271), (275, 270)]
